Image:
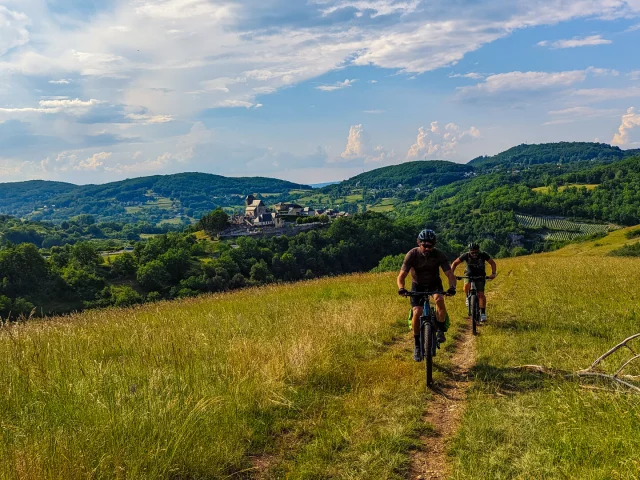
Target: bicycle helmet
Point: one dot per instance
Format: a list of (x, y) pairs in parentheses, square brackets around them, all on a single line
[(474, 246), (427, 235)]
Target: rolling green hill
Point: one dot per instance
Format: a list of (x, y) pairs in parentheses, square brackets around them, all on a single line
[(318, 382), (424, 173), (562, 153), (155, 198)]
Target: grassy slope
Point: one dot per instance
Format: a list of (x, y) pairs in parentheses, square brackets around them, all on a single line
[(599, 247), (310, 380), (559, 310), (307, 377)]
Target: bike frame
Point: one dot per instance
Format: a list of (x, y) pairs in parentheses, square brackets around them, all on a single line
[(473, 292), (428, 318)]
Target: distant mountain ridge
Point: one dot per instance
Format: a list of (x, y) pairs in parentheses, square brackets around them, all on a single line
[(183, 194), (561, 152), (421, 173)]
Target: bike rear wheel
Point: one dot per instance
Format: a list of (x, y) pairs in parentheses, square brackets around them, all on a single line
[(473, 304), (428, 352)]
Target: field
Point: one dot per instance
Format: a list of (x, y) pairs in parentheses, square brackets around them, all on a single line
[(561, 313), (588, 186), (555, 228), (314, 380), (306, 378)]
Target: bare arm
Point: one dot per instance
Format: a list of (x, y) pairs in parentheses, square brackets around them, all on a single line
[(401, 278), (493, 268), (452, 278), (455, 264)]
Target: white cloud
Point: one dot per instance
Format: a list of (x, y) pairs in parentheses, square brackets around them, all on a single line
[(359, 148), (13, 29), (95, 162), (441, 142), (633, 28), (594, 95), (531, 81), (574, 114), (74, 107), (471, 75), (630, 120), (336, 86), (147, 119), (373, 112), (635, 75), (62, 81), (355, 143), (576, 42)]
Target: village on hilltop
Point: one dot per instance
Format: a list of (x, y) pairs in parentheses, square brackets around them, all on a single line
[(283, 219)]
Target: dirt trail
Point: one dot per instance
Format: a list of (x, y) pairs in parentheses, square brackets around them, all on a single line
[(444, 413)]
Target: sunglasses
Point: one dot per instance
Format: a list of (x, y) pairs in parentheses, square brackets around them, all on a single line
[(426, 245)]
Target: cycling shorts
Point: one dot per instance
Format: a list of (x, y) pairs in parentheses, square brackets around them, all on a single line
[(479, 284), (432, 286)]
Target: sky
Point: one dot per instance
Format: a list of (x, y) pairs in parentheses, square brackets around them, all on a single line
[(311, 91)]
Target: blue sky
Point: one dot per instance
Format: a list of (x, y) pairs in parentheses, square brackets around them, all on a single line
[(311, 91)]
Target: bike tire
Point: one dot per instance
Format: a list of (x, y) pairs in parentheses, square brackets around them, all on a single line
[(428, 347), (473, 303)]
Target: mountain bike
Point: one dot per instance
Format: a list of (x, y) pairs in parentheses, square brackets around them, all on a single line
[(474, 307), (429, 343)]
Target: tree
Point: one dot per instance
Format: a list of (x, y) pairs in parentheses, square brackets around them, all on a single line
[(86, 255), (124, 265), (260, 272), (153, 276), (215, 221)]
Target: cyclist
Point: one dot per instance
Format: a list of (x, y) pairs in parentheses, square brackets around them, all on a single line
[(475, 260), (424, 262)]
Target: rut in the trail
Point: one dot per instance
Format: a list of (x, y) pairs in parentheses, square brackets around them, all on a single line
[(444, 412)]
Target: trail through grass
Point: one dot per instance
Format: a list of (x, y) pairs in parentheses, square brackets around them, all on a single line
[(560, 312), (307, 373)]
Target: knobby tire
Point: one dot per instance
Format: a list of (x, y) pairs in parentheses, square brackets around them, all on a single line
[(428, 347), (473, 303)]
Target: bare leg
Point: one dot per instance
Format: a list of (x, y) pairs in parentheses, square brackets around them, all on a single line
[(441, 308), (482, 300), (467, 289), (415, 321)]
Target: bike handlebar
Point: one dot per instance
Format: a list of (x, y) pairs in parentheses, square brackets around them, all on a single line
[(426, 294)]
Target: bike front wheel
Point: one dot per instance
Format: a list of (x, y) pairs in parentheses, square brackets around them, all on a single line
[(473, 304), (428, 352)]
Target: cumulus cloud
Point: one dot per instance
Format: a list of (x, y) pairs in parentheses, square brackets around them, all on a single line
[(359, 148), (575, 42), (630, 120), (355, 143), (440, 142), (336, 86)]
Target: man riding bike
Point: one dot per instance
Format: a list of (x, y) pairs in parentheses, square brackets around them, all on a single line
[(424, 263), (475, 260)]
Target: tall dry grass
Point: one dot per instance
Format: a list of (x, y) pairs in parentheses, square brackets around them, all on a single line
[(195, 388), (559, 312)]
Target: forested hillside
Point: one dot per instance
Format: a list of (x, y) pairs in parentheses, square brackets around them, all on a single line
[(562, 152), (425, 174), (155, 198), (484, 207)]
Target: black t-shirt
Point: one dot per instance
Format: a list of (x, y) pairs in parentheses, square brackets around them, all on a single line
[(475, 265), (425, 266)]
